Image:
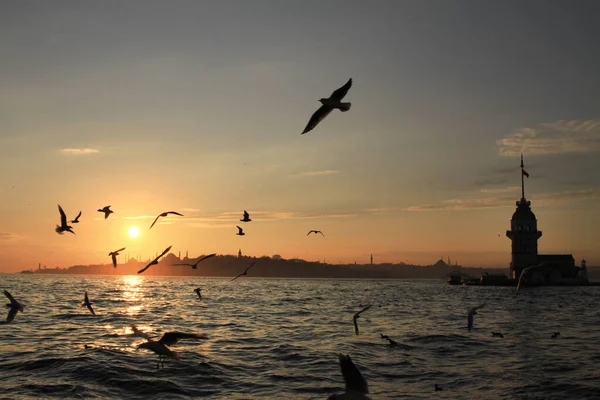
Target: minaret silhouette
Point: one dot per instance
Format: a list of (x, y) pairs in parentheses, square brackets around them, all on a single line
[(371, 258)]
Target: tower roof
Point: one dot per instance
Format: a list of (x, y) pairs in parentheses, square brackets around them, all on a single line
[(523, 211)]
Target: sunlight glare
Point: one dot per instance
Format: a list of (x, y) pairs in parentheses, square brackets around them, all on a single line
[(134, 231)]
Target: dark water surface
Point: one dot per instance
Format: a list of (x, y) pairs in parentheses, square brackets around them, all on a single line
[(275, 338)]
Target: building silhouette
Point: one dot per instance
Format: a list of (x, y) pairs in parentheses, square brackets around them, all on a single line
[(524, 235)]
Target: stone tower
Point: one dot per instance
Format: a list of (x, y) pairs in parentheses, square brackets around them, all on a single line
[(523, 233)]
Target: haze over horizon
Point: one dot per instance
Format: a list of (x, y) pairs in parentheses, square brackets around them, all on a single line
[(198, 108)]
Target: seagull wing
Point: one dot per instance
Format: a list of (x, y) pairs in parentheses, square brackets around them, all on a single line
[(187, 265), (164, 252), (309, 232), (322, 233), (145, 268), (317, 117), (77, 217), (156, 219), (363, 310), (205, 257), (114, 259), (246, 215), (352, 376), (120, 250), (355, 324), (236, 277), (89, 306), (250, 266), (174, 212), (11, 313), (85, 298), (138, 333), (472, 310), (171, 338), (240, 230), (12, 299), (340, 93), (63, 216)]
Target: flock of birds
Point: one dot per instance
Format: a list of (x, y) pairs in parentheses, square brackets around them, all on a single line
[(355, 385)]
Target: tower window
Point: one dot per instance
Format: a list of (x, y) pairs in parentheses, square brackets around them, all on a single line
[(520, 228), (526, 228)]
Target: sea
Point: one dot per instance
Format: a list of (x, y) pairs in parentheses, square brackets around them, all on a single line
[(280, 339)]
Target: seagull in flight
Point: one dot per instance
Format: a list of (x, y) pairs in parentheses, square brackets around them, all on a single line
[(240, 231), (472, 312), (88, 304), (161, 347), (195, 265), (527, 271), (14, 307), (197, 290), (114, 255), (357, 316), (246, 217), (155, 261), (393, 343), (245, 272), (76, 220), (356, 385), (315, 232), (63, 227), (164, 215), (334, 101), (106, 210)]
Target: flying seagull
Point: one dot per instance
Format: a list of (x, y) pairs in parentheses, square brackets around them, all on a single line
[(245, 272), (195, 265), (246, 217), (63, 223), (106, 210), (155, 261), (315, 232), (472, 312), (357, 316), (334, 101), (527, 271), (160, 347), (76, 220), (240, 231), (356, 385), (164, 215), (114, 255), (393, 343), (14, 307), (88, 304), (197, 290)]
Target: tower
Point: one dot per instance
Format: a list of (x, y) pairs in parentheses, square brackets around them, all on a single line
[(371, 259), (239, 253), (523, 233)]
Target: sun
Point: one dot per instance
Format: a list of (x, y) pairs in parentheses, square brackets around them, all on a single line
[(134, 231)]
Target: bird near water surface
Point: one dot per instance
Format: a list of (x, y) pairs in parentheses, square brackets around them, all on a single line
[(472, 312), (245, 272), (161, 346), (356, 316), (87, 303), (329, 104), (13, 308), (356, 386)]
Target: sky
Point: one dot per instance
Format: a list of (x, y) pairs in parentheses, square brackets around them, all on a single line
[(197, 107)]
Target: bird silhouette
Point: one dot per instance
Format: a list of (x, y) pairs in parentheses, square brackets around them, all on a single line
[(497, 334), (155, 261), (13, 308), (106, 210), (88, 304), (197, 290), (555, 335), (315, 232), (164, 215), (334, 101), (76, 220), (63, 227), (438, 388), (240, 231), (114, 255), (246, 217), (357, 316), (472, 312), (195, 265), (245, 272), (391, 341), (161, 346), (356, 386)]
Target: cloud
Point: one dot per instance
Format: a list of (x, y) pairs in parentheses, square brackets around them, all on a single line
[(228, 218), (6, 237), (547, 199), (576, 136), (502, 190), (85, 150), (316, 173)]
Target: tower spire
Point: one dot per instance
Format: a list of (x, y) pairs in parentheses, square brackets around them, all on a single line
[(522, 178)]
